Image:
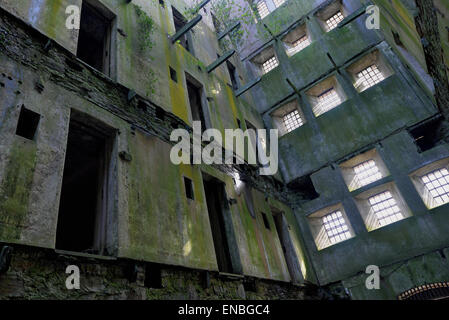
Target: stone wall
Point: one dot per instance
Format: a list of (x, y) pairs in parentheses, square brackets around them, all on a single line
[(40, 274)]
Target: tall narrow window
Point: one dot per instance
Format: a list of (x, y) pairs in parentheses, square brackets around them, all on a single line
[(333, 21), (233, 75), (262, 8), (197, 101), (385, 208), (180, 22), (94, 40), (269, 64)]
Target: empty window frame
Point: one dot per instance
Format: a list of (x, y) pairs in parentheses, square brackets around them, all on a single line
[(325, 96), (330, 226), (179, 22), (233, 75), (197, 100), (270, 64), (27, 124), (363, 170), (432, 183), (265, 220), (381, 206), (94, 40), (369, 71), (262, 9), (288, 117)]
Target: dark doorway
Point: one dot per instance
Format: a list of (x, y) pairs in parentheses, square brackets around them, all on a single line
[(94, 41), (288, 249), (226, 250), (195, 92), (180, 22), (85, 203)]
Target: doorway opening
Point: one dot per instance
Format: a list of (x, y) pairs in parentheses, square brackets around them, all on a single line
[(86, 206), (288, 249), (225, 244)]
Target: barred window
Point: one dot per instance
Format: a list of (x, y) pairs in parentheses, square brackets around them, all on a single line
[(366, 173), (369, 77), (262, 8), (327, 101), (437, 183), (298, 45), (278, 3), (270, 64), (292, 120), (333, 21), (385, 208), (336, 227)]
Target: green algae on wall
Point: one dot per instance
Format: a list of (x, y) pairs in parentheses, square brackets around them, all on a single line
[(15, 190)]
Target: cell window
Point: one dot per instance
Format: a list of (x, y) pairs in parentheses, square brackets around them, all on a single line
[(336, 228), (188, 184), (333, 21), (298, 45), (292, 120), (437, 184), (278, 3), (385, 208), (369, 77), (28, 123), (262, 8), (327, 101), (366, 173), (269, 65)]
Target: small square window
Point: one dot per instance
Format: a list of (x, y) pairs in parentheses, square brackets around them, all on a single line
[(437, 185), (292, 121), (363, 170), (330, 226), (188, 184), (269, 64), (369, 70), (333, 21), (385, 208), (366, 173), (327, 100), (262, 8), (298, 45), (28, 123), (336, 228), (278, 3)]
